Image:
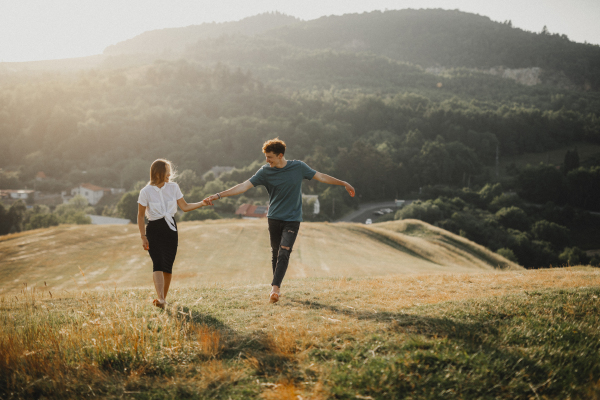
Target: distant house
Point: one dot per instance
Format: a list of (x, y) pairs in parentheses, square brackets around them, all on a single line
[(40, 176), (16, 194), (314, 199), (248, 211), (92, 193)]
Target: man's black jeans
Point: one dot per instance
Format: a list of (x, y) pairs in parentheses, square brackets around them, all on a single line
[(283, 235)]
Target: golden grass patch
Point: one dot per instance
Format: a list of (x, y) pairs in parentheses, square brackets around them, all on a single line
[(212, 337)]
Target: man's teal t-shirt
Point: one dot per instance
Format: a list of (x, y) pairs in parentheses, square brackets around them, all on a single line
[(285, 188)]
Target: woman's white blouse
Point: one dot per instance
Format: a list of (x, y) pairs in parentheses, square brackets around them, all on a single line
[(161, 202)]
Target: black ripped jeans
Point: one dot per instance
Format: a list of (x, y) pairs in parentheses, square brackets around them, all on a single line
[(283, 234)]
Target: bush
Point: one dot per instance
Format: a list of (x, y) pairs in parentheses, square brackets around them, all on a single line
[(425, 211), (513, 217), (42, 220), (76, 217), (335, 202), (531, 253), (506, 200), (200, 215), (490, 192), (508, 254), (574, 256), (541, 184), (127, 207), (556, 234), (75, 211)]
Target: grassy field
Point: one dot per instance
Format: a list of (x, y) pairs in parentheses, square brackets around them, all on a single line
[(103, 256), (506, 334)]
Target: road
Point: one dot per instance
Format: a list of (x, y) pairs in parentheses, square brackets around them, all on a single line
[(366, 211)]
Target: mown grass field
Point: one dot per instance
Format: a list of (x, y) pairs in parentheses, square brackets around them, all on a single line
[(506, 334), (92, 256)]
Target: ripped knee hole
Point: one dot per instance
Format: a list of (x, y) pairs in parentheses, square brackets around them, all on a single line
[(285, 247)]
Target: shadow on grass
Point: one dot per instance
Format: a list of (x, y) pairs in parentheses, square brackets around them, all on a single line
[(258, 348), (494, 364), (414, 324)]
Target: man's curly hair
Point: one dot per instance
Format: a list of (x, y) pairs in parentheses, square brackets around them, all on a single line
[(275, 146)]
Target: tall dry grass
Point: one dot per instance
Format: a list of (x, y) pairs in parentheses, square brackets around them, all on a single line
[(216, 339)]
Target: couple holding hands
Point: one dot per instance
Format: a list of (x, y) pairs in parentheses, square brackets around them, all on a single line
[(159, 199)]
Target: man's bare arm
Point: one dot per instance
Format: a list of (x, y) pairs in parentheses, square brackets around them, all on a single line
[(324, 178), (237, 189)]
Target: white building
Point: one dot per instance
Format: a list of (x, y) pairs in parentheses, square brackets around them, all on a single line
[(92, 193), (314, 199), (17, 194)]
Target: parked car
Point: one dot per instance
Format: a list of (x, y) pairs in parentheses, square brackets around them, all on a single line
[(368, 221), (378, 212), (386, 210)]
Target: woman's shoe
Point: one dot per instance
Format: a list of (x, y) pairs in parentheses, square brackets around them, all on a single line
[(274, 297), (158, 304)]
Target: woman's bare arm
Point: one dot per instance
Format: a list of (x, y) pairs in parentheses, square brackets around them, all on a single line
[(185, 206), (142, 226)]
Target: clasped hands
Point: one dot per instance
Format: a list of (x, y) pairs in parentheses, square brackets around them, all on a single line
[(209, 200)]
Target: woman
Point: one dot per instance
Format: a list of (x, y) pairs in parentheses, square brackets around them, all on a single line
[(158, 200)]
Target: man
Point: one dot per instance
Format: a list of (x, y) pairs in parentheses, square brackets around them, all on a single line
[(283, 180)]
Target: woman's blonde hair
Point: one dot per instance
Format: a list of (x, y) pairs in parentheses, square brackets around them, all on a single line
[(159, 170)]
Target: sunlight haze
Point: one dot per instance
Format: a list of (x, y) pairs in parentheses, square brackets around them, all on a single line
[(41, 30)]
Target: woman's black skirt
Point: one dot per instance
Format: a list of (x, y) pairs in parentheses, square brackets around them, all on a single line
[(163, 245)]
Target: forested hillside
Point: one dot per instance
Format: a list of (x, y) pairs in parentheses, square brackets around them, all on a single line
[(427, 38), (173, 40), (369, 113)]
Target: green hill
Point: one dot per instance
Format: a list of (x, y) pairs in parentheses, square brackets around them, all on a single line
[(232, 250), (429, 38), (174, 40)]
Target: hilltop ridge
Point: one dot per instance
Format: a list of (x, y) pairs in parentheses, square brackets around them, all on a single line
[(425, 37), (175, 40), (236, 250)]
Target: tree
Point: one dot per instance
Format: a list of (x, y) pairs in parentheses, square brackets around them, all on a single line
[(16, 214), (75, 211), (187, 180), (584, 188), (127, 207), (513, 217), (541, 184), (571, 161), (574, 256), (4, 221), (41, 220), (424, 211), (508, 254), (551, 232), (333, 203)]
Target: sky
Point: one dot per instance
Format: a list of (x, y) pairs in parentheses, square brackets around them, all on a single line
[(32, 30)]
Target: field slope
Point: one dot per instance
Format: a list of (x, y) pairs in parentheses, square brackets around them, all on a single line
[(524, 334), (71, 257)]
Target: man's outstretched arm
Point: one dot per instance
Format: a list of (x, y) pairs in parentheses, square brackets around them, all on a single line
[(334, 181), (237, 189)]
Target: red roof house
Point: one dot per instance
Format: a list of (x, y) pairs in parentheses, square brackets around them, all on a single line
[(249, 211)]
